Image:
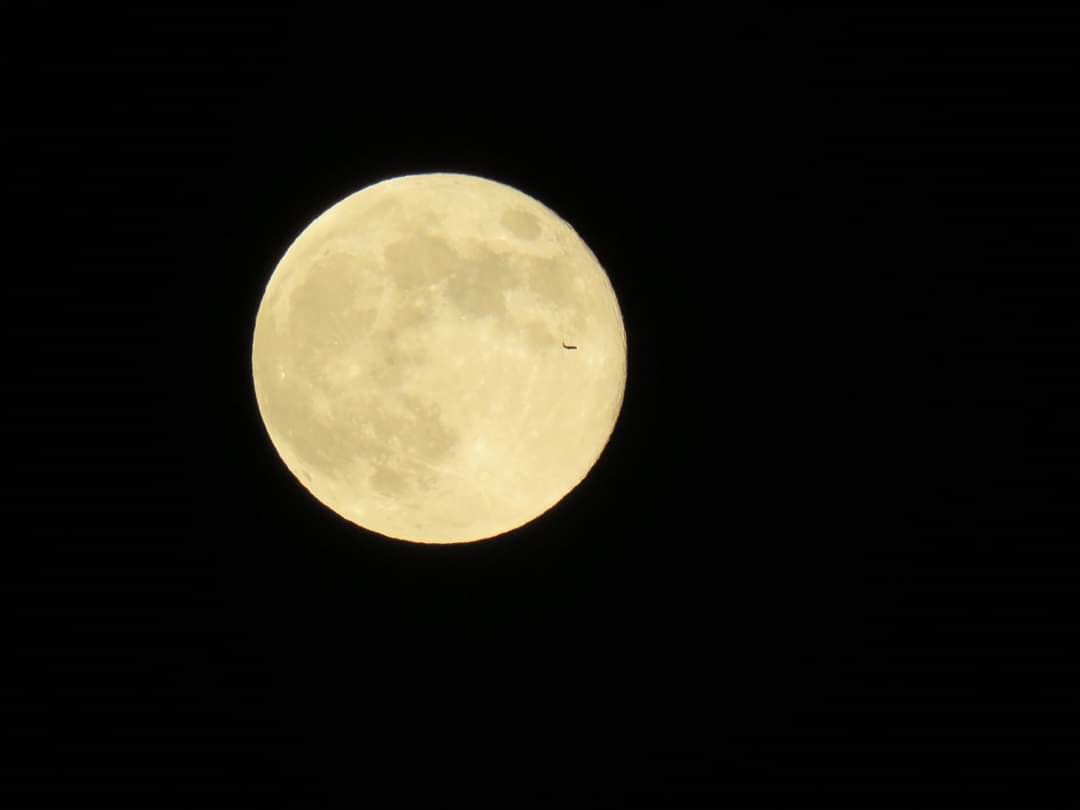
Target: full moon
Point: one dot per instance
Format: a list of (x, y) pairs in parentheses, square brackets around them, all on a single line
[(439, 358)]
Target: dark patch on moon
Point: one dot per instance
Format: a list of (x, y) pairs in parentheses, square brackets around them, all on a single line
[(386, 481), (521, 224), (478, 286), (419, 260), (327, 305), (538, 336), (553, 281), (475, 284)]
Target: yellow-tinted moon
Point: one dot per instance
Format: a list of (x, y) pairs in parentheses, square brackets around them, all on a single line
[(412, 358)]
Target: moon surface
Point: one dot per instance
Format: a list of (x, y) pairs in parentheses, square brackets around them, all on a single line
[(439, 358)]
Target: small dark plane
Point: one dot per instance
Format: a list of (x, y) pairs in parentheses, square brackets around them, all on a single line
[(568, 347)]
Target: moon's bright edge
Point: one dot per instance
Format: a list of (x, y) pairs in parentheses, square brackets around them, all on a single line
[(410, 358)]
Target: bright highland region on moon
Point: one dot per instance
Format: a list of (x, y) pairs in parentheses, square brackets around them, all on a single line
[(409, 359)]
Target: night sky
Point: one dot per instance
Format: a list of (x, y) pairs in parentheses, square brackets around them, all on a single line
[(829, 557)]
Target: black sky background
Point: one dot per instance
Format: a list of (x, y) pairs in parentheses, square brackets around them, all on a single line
[(829, 558)]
